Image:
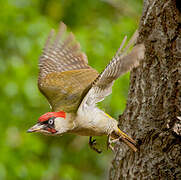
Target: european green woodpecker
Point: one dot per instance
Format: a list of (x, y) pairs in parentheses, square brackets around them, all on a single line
[(73, 89)]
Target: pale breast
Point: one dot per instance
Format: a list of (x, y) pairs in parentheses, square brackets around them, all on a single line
[(93, 122)]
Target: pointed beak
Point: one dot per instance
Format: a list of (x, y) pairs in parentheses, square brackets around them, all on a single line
[(36, 128)]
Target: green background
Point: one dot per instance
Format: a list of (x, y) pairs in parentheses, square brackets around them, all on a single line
[(99, 26)]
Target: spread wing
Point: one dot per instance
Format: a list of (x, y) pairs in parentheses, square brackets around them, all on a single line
[(120, 64), (64, 73)]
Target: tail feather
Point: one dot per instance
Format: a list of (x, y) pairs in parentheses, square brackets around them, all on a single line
[(129, 141)]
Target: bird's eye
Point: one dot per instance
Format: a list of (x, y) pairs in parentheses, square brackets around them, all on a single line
[(50, 121)]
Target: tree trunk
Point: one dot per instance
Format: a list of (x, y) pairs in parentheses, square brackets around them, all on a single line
[(153, 112)]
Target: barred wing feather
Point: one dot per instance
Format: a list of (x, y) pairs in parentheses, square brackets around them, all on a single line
[(120, 64), (64, 73)]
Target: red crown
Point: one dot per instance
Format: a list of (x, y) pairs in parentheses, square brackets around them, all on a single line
[(48, 115)]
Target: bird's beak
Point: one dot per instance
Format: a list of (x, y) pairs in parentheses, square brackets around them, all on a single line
[(36, 128)]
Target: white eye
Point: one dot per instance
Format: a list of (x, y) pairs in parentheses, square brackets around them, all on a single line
[(50, 121)]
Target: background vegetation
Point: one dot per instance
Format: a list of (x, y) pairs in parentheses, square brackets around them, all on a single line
[(99, 26)]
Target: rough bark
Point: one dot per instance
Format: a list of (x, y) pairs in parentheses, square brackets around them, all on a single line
[(152, 116)]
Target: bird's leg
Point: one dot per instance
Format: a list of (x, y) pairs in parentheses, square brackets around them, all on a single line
[(92, 144), (109, 142)]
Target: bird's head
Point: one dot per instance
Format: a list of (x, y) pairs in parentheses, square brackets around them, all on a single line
[(51, 123)]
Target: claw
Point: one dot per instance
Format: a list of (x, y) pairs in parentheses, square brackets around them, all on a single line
[(109, 142), (113, 141), (92, 144)]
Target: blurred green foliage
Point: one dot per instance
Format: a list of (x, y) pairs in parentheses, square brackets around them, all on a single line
[(99, 26)]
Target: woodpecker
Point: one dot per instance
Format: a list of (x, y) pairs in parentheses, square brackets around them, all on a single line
[(73, 88)]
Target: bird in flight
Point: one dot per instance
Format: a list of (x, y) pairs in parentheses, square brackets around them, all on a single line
[(73, 88)]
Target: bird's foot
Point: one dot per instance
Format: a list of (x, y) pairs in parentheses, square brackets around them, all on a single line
[(110, 141), (92, 144)]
